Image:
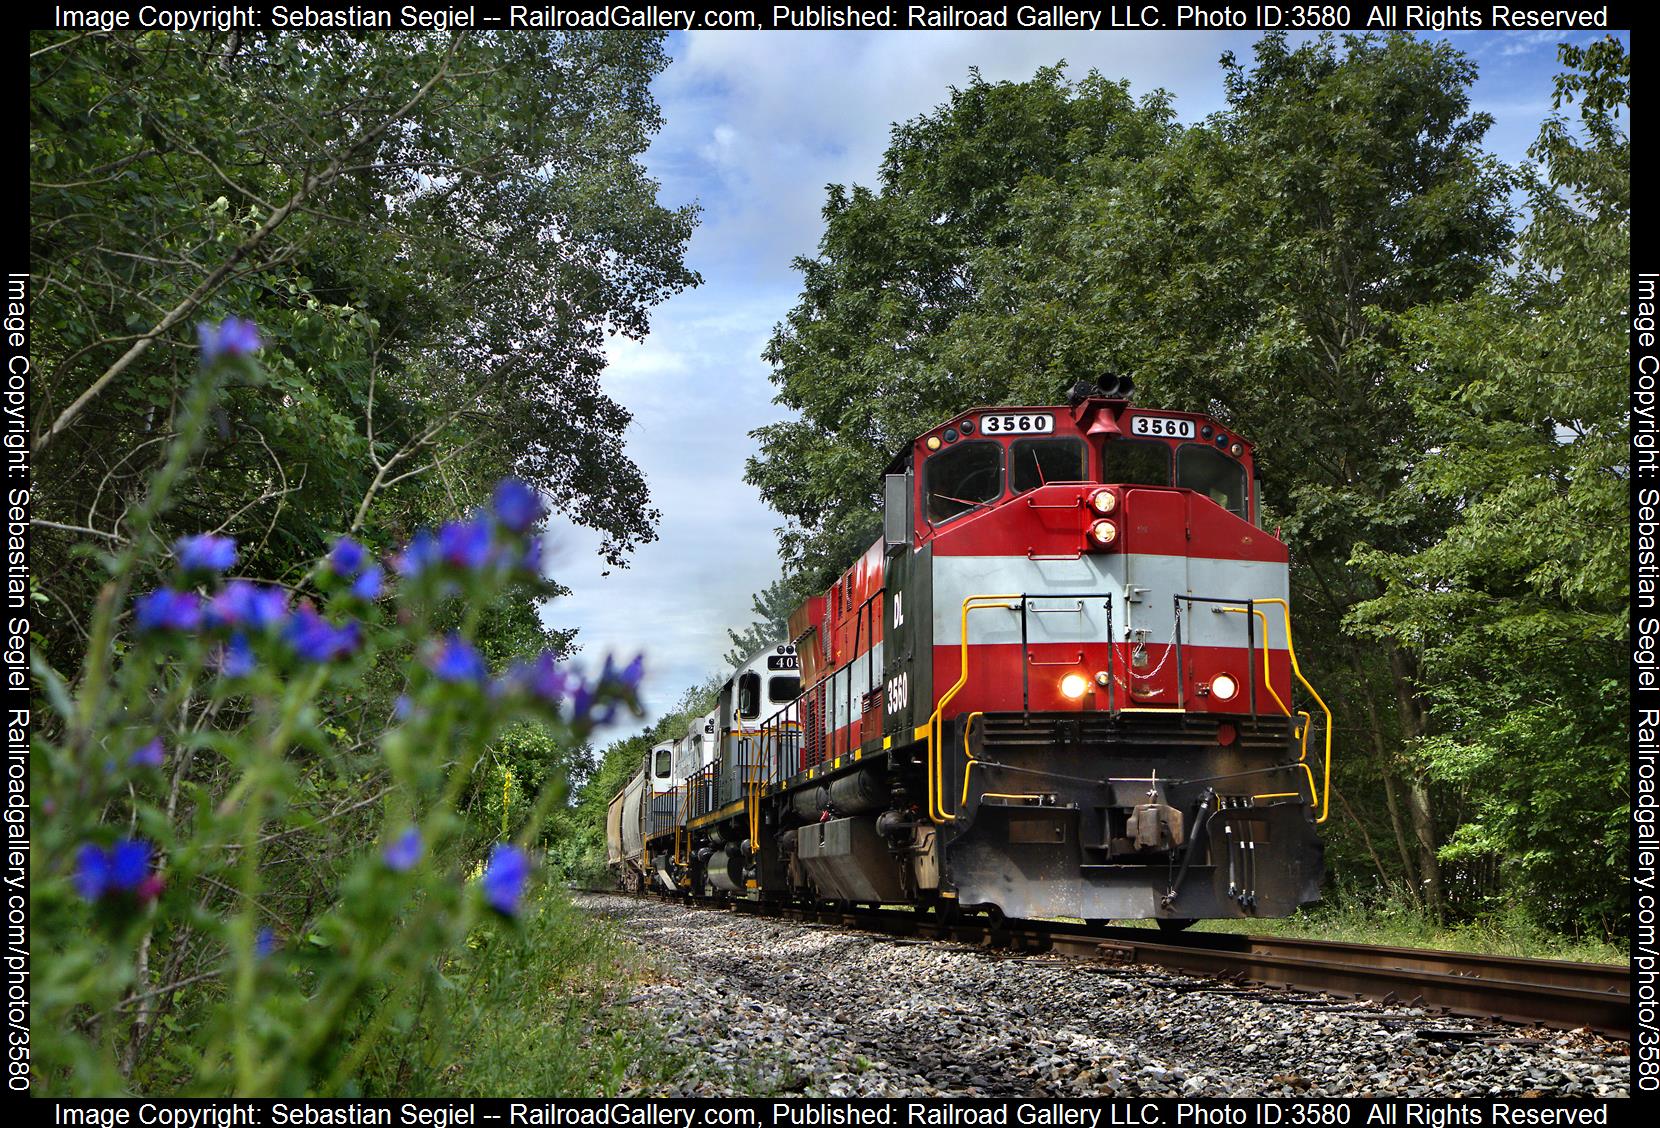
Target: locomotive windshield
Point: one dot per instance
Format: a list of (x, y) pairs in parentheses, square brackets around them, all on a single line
[(1135, 462), (1037, 462), (783, 689), (1206, 470), (962, 478)]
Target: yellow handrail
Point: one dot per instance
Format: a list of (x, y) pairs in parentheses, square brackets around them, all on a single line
[(968, 758), (1320, 796), (935, 754), (752, 805), (1291, 649), (1267, 676)]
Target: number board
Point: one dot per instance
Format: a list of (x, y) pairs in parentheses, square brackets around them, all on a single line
[(783, 662), (1161, 427), (1017, 423)]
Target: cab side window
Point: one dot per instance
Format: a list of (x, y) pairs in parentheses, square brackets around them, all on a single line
[(962, 478), (662, 769), (1037, 462), (1206, 470), (749, 695)]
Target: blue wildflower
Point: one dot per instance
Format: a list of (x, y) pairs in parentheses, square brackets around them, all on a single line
[(530, 560), (129, 864), (418, 555), (588, 708), (403, 851), (243, 603), (465, 544), (505, 877), (151, 755), (315, 639), (367, 585), (265, 943), (92, 872), (122, 868), (542, 678), (237, 659), (516, 505), (205, 553), (403, 708), (458, 661), (168, 610), (347, 557), (232, 337), (627, 680)]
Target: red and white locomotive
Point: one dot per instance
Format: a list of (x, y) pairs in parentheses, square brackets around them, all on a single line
[(1060, 685)]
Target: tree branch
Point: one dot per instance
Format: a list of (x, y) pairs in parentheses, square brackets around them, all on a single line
[(212, 282)]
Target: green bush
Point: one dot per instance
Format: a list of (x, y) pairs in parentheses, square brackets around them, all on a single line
[(256, 874)]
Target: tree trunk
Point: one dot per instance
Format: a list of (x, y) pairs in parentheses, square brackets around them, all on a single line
[(1385, 764), (1403, 667), (1402, 844), (1366, 838)]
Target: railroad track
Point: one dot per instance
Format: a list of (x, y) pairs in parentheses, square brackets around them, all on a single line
[(1554, 993)]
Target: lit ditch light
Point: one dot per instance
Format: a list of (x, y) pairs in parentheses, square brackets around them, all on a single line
[(1223, 687), (1074, 686), (1103, 501)]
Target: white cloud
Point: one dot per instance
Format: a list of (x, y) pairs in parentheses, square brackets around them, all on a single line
[(696, 387), (776, 117)]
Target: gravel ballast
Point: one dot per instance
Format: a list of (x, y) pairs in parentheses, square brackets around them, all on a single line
[(767, 1007)]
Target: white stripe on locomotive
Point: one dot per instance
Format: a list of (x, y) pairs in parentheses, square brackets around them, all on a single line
[(1050, 582)]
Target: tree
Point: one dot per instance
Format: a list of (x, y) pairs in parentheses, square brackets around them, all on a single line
[(862, 356), (435, 235), (1519, 609), (772, 607)]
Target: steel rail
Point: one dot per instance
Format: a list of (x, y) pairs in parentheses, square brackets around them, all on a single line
[(1553, 993)]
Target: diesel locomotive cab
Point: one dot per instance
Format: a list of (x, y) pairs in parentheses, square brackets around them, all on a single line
[(1091, 639)]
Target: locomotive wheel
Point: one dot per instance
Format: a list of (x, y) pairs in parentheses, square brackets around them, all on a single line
[(1174, 924)]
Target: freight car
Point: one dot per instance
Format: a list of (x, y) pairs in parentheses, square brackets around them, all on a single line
[(1061, 684)]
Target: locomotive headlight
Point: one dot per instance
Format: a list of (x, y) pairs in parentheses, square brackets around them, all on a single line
[(1103, 532), (1223, 687), (1074, 686), (1103, 501), (1236, 450)]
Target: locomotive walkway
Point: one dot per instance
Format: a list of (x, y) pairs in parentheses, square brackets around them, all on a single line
[(766, 1005)]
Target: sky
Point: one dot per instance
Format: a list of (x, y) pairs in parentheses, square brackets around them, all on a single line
[(757, 124)]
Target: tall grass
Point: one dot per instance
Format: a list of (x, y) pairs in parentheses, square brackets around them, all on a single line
[(1508, 932), (547, 1013)]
